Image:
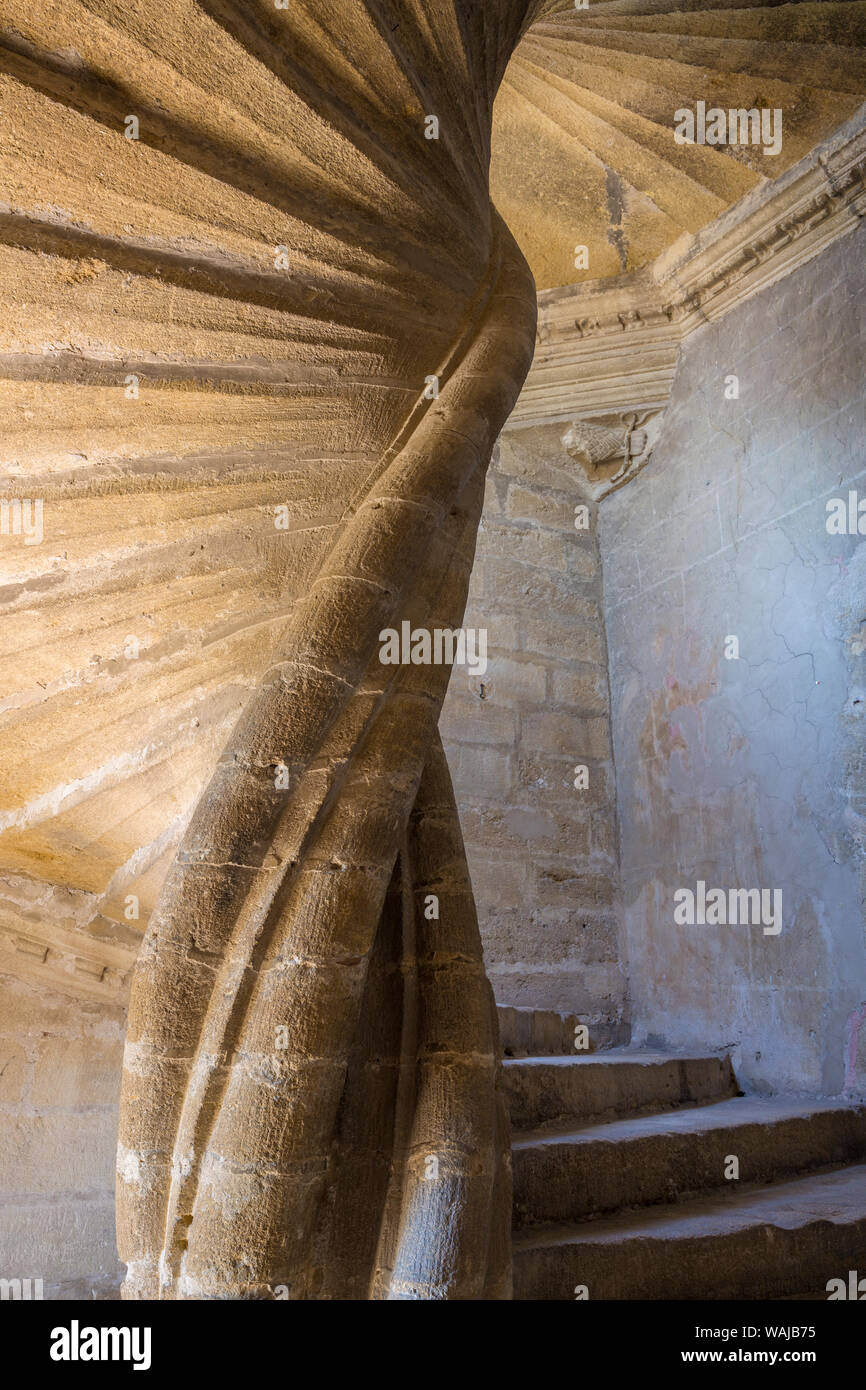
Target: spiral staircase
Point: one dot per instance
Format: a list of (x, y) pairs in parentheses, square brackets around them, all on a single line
[(231, 261)]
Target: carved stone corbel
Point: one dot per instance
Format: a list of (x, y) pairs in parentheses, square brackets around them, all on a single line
[(612, 449)]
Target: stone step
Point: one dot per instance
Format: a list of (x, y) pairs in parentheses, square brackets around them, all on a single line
[(573, 1173), (783, 1241), (546, 1033), (544, 1090)]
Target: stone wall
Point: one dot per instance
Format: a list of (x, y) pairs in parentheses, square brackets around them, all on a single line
[(747, 772), (60, 1061), (542, 854)]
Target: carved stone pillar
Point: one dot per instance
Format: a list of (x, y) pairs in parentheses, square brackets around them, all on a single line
[(310, 1104)]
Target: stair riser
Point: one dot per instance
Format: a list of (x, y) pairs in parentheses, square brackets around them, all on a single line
[(755, 1263), (562, 1182), (545, 1033), (538, 1093)]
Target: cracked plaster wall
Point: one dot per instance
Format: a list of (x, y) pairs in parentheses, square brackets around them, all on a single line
[(749, 772)]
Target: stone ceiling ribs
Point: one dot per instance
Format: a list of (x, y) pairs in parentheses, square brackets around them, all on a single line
[(590, 97)]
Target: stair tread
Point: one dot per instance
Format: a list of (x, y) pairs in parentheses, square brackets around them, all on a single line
[(608, 1059), (721, 1114), (838, 1197)]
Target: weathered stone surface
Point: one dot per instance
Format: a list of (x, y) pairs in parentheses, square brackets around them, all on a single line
[(782, 1241), (611, 1151), (260, 992), (563, 1173), (244, 480), (60, 1061), (746, 772), (582, 150), (526, 825), (546, 1090)]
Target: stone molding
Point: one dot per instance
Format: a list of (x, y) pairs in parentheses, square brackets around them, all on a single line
[(70, 962), (612, 346), (50, 937)]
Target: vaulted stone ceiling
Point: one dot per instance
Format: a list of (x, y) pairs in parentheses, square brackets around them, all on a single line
[(583, 151), (167, 385)]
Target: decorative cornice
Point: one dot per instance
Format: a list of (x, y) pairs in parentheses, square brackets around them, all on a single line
[(613, 345), (41, 942)]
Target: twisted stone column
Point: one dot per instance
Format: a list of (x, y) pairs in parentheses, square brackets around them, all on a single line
[(310, 1104)]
